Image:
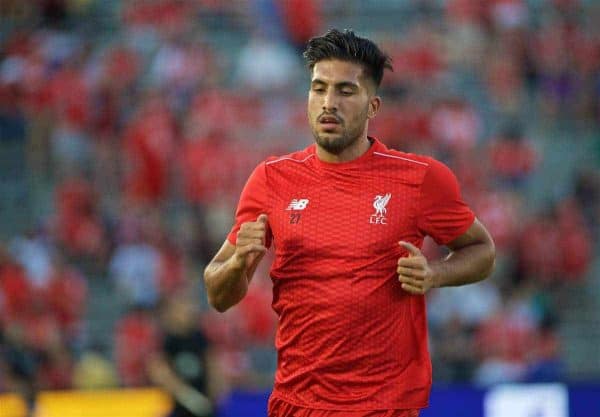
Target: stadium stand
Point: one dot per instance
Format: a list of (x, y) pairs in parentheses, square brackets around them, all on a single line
[(112, 113)]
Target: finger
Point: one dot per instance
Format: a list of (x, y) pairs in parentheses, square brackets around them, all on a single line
[(413, 262), (253, 227), (262, 219), (250, 233), (412, 249), (412, 289), (410, 272), (253, 248), (245, 241), (415, 282)]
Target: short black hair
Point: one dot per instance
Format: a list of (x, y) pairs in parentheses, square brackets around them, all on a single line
[(346, 46)]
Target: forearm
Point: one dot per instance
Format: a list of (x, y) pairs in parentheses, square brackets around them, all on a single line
[(165, 378), (227, 276), (226, 283), (462, 266), (162, 375)]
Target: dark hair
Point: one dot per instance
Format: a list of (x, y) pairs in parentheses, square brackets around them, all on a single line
[(346, 46)]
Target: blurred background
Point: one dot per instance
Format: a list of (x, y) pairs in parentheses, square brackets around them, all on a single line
[(128, 128)]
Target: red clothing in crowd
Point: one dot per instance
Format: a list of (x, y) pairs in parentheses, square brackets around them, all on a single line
[(66, 294), (136, 339), (513, 159), (70, 96), (505, 338), (349, 338), (77, 225), (302, 19), (166, 14), (149, 143), (208, 177), (16, 293), (556, 247)]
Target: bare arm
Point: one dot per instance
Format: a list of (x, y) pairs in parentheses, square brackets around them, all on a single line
[(161, 374), (471, 259), (227, 275)]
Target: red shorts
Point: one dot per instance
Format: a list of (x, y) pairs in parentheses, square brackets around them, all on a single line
[(280, 408)]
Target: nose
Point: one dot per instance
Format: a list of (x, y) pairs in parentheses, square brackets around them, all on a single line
[(330, 102)]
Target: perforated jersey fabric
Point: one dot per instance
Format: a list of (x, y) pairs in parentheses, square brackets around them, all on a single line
[(280, 408), (348, 336)]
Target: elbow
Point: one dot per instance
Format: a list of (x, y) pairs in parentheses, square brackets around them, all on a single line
[(222, 304), (216, 300), (224, 291), (220, 307), (490, 269), (223, 299), (490, 261), (218, 303)]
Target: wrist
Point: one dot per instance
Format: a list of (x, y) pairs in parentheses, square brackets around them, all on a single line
[(237, 263), (436, 275)]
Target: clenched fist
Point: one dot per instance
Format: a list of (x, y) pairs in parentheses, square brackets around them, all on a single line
[(250, 242)]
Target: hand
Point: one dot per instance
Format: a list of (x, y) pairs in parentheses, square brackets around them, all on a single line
[(414, 271), (250, 242), (195, 402)]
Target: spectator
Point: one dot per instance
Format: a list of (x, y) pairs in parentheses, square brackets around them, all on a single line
[(183, 365), (76, 225), (135, 268), (512, 157), (94, 371), (504, 342), (455, 125), (148, 144), (537, 255), (35, 255), (136, 341), (302, 19), (265, 65), (66, 295)]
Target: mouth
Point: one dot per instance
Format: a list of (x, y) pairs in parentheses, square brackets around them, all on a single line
[(329, 122)]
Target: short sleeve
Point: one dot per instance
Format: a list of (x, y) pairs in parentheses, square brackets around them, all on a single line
[(443, 214), (253, 203)]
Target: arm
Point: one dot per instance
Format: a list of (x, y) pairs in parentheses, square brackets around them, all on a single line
[(162, 374), (227, 275), (471, 259)]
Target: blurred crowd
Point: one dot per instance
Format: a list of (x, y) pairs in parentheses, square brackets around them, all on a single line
[(144, 125)]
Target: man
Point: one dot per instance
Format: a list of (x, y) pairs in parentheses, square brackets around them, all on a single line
[(183, 367), (347, 217)]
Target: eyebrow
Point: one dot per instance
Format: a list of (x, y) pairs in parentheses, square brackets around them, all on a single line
[(340, 84)]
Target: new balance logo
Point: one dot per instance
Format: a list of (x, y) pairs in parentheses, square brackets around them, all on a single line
[(298, 204), (379, 204)]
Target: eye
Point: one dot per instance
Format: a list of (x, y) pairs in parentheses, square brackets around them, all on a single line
[(347, 92)]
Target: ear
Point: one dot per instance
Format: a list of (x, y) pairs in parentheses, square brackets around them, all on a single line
[(374, 104)]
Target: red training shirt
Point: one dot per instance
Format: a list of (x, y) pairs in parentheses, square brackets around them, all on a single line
[(349, 337)]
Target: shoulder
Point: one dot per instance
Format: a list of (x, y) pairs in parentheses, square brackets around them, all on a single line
[(298, 157), (407, 167), (426, 164), (274, 166), (404, 158), (419, 169)]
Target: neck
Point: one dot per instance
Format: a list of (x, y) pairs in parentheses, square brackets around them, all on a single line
[(352, 152)]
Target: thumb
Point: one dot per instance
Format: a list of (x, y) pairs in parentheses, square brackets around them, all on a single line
[(412, 249), (262, 219)]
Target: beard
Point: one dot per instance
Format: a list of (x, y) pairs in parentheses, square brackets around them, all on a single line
[(336, 143)]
